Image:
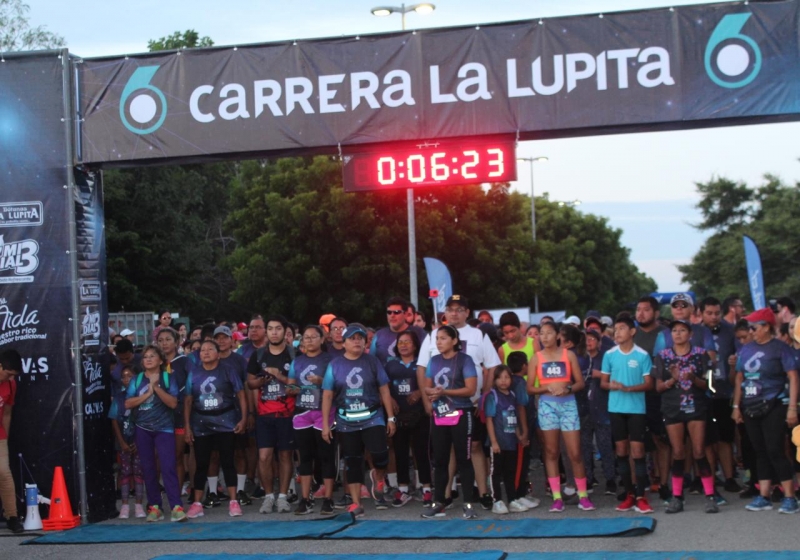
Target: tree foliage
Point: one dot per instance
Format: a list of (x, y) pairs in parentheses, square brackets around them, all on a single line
[(189, 39), (16, 33), (305, 247), (768, 214)]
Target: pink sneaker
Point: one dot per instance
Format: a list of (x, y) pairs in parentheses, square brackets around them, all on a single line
[(320, 493), (125, 511), (557, 507), (195, 510), (234, 509), (364, 492), (586, 504), (139, 511)]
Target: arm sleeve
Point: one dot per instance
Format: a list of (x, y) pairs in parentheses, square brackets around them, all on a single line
[(490, 357), (327, 380)]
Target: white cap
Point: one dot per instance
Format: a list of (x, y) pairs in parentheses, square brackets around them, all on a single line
[(606, 320), (126, 332), (573, 320)]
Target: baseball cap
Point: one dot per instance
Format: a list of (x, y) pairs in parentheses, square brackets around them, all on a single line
[(242, 326), (354, 329), (592, 313), (458, 300), (572, 320), (764, 315), (126, 332), (686, 324), (326, 319), (606, 320), (592, 319), (223, 330), (684, 297), (239, 336)]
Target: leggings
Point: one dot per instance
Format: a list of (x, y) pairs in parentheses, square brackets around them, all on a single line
[(311, 446), (592, 431), (224, 443), (768, 436), (504, 469), (418, 437), (147, 445), (460, 438), (372, 439)]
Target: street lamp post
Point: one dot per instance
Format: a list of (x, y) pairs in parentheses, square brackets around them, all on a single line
[(530, 160), (381, 11)]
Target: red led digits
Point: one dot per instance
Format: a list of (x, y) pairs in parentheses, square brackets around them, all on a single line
[(441, 164)]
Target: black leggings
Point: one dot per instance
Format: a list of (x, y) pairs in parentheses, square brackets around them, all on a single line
[(419, 436), (224, 443), (504, 469), (371, 439), (311, 446), (768, 437), (460, 438)]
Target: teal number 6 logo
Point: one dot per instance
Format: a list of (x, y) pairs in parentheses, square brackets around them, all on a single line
[(142, 107), (732, 59)]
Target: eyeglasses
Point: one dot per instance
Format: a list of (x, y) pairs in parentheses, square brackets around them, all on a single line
[(314, 337), (455, 310), (255, 327), (754, 326), (394, 311)]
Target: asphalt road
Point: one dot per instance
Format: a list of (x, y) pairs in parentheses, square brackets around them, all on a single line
[(733, 529)]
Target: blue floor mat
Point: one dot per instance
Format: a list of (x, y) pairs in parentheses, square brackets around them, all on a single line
[(693, 555), (482, 555), (496, 529), (164, 532)]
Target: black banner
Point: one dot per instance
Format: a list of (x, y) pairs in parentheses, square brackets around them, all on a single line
[(35, 296), (685, 67)]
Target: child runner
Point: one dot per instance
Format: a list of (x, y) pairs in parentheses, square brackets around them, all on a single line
[(130, 466), (518, 364)]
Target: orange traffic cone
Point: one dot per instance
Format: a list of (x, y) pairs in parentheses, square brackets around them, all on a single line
[(61, 517)]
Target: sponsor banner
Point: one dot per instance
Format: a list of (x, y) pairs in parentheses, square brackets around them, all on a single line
[(755, 273), (683, 67), (441, 286), (35, 298)]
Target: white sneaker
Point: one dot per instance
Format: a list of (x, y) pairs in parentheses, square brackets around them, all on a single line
[(529, 503), (139, 509), (569, 490), (268, 504), (517, 507), (282, 505), (499, 508), (125, 511)]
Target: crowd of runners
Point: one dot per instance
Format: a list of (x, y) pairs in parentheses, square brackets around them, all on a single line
[(336, 415)]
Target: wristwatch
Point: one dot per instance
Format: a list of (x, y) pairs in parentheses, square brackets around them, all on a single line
[(392, 419)]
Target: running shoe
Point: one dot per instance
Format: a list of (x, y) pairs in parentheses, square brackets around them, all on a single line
[(732, 486), (427, 498), (282, 505), (628, 504), (125, 511), (195, 510), (234, 508), (448, 503), (516, 506), (304, 508), (320, 493), (259, 493), (401, 498), (377, 485), (499, 508), (139, 511), (642, 505), (789, 505), (557, 507), (268, 504), (675, 505), (529, 502), (154, 514), (356, 511), (611, 488), (344, 502), (365, 494), (381, 502), (486, 501), (469, 512), (243, 498), (721, 501), (212, 500), (327, 507), (291, 497), (178, 515), (436, 510), (759, 503), (586, 504), (14, 525), (711, 505)]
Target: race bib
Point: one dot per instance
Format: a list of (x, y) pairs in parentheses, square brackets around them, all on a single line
[(309, 398), (687, 403), (210, 401), (404, 388), (442, 406), (752, 389), (273, 391), (554, 370), (357, 411)]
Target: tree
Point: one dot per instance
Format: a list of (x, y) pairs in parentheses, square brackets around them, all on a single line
[(305, 247), (16, 33), (768, 215), (189, 39)]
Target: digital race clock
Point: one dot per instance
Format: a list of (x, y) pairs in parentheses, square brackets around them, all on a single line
[(430, 163)]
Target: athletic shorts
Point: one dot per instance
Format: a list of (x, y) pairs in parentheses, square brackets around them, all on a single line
[(721, 411), (628, 426), (559, 415), (276, 433), (686, 418), (479, 430)]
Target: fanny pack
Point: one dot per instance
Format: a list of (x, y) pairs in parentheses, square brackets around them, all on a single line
[(759, 409), (214, 412), (357, 415), (449, 419)]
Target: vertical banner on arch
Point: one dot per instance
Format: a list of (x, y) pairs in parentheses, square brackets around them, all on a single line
[(439, 283), (35, 283), (755, 274)]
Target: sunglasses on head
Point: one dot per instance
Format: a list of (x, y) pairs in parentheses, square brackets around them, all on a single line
[(754, 326), (394, 311)]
